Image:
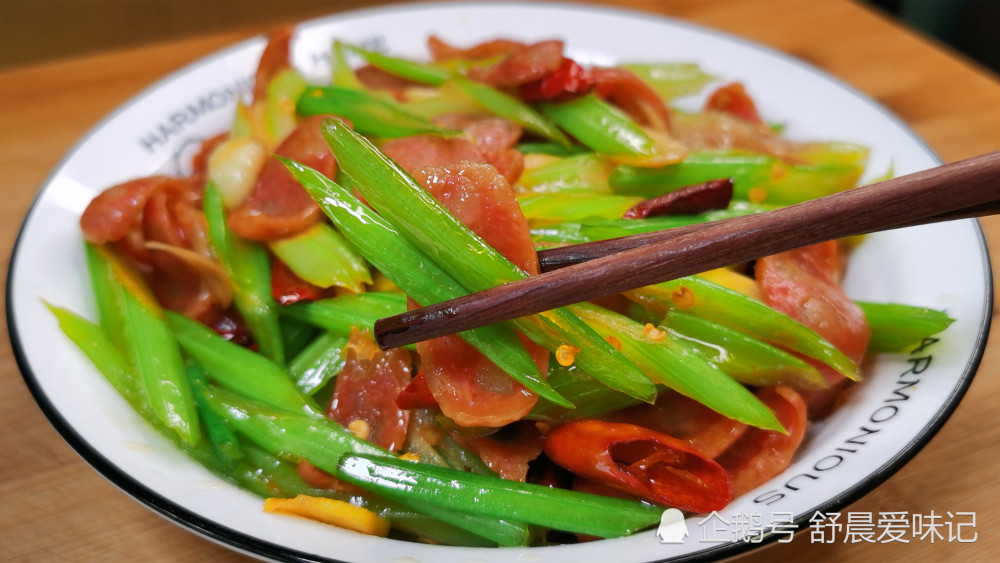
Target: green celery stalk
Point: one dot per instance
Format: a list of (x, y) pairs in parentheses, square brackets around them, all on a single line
[(249, 269), (558, 327), (370, 114), (737, 311), (267, 476), (746, 359), (896, 327), (431, 104), (285, 434), (600, 126), (501, 533), (574, 206), (669, 79), (149, 345), (108, 294), (461, 458), (416, 274), (803, 182), (589, 396), (341, 313), (222, 438), (404, 68), (552, 149), (602, 229), (508, 107), (157, 359), (581, 173), (105, 356), (318, 363), (420, 432), (423, 526), (679, 368), (238, 368), (324, 442), (461, 253), (745, 170), (282, 91), (492, 497), (112, 364), (833, 152), (242, 123), (297, 335), (341, 73), (322, 257)]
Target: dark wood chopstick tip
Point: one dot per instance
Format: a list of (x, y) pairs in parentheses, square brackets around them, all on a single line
[(390, 332)]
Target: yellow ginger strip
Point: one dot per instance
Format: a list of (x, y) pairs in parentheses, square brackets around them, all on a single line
[(331, 511), (733, 280)]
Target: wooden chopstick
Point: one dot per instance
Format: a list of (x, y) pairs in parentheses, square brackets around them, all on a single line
[(560, 257), (962, 189)]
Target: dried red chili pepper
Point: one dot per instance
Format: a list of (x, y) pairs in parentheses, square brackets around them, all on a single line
[(689, 200), (647, 464), (231, 326)]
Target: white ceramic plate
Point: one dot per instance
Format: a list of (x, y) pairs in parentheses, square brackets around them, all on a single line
[(903, 402)]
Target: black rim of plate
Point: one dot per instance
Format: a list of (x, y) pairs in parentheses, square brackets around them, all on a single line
[(254, 546)]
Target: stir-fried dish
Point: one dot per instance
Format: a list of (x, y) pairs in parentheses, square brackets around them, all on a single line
[(236, 304)]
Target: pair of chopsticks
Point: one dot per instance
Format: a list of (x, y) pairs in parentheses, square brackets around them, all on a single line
[(572, 274)]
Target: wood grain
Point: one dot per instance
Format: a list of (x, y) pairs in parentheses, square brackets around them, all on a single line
[(56, 508)]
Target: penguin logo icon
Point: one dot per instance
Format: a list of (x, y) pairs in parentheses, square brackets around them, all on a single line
[(672, 528)]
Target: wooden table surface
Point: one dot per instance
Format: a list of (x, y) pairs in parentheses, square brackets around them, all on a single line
[(55, 507)]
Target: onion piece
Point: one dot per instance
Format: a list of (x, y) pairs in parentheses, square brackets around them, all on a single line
[(210, 271), (234, 166)]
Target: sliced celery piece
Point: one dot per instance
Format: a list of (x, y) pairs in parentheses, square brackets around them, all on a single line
[(492, 497), (318, 363), (746, 359), (600, 126), (249, 269), (370, 114), (602, 229), (423, 73), (508, 107), (341, 73), (745, 170), (282, 91), (575, 207), (322, 257), (583, 173), (895, 327), (679, 368), (700, 297), (239, 369), (671, 79)]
